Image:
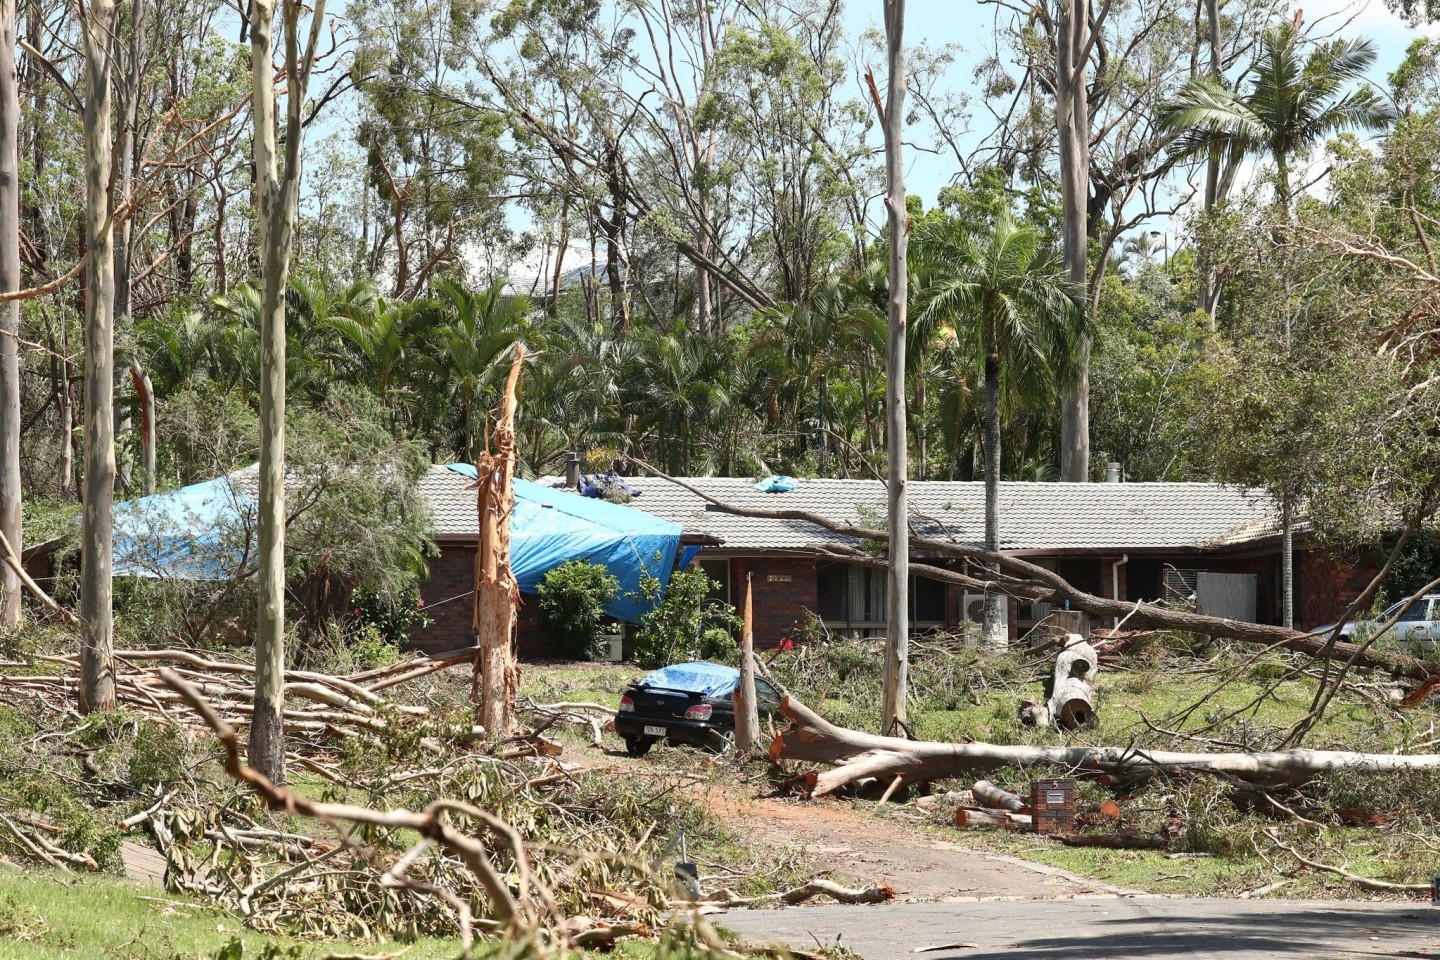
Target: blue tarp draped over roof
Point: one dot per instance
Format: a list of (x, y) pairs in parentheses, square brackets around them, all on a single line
[(197, 533), (549, 527), (193, 533), (709, 679)]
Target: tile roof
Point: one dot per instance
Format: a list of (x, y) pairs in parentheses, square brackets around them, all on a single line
[(451, 497), (1033, 516)]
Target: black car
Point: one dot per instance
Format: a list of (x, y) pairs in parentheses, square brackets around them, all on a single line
[(686, 703)]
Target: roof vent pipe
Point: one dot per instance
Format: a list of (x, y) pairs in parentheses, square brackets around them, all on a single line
[(572, 469), (1112, 473)]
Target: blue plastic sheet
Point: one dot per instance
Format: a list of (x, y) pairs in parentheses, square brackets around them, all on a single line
[(193, 533), (777, 485), (708, 679), (687, 556), (199, 532), (549, 527)]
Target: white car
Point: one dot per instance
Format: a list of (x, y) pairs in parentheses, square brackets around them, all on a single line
[(1417, 627)]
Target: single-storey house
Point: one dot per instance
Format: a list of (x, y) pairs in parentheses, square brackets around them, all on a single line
[(1212, 545)]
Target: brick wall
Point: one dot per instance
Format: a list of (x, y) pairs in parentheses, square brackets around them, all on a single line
[(452, 575), (784, 591), (1330, 581)]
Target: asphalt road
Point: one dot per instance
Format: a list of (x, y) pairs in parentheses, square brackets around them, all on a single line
[(1103, 928)]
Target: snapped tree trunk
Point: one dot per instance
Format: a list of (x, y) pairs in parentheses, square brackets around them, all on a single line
[(994, 631), (97, 667), (897, 648), (145, 395), (131, 58), (276, 189), (497, 595), (1287, 563), (857, 755), (747, 710), (10, 493), (1072, 109)]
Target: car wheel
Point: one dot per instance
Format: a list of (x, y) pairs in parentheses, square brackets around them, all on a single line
[(723, 741), (638, 746)]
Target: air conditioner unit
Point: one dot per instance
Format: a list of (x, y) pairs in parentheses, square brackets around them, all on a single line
[(973, 609), (613, 647)]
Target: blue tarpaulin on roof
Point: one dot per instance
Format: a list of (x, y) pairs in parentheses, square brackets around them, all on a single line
[(709, 679), (198, 533), (549, 527), (193, 533)]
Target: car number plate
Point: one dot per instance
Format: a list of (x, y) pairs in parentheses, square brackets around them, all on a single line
[(654, 731)]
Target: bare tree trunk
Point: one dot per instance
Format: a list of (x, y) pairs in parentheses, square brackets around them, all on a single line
[(1208, 295), (125, 151), (859, 755), (897, 649), (276, 190), (994, 632), (97, 668), (11, 524), (145, 394), (67, 418), (497, 596), (1287, 564), (747, 712), (1072, 110)]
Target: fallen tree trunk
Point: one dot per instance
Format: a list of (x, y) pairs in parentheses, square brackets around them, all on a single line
[(857, 755), (989, 795)]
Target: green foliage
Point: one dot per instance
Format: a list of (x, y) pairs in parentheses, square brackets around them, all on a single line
[(686, 623), (392, 616), (572, 599)]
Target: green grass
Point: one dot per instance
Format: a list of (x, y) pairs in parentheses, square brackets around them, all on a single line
[(53, 916)]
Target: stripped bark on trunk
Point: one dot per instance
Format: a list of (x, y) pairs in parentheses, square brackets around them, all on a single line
[(747, 712), (497, 595)]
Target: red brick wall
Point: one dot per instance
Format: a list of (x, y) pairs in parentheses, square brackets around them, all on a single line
[(784, 591), (1330, 581), (452, 575)]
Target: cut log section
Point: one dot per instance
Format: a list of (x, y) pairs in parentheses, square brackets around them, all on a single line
[(1071, 704), (988, 795), (857, 755)]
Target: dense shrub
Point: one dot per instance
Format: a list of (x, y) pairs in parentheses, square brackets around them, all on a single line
[(573, 598), (687, 623)]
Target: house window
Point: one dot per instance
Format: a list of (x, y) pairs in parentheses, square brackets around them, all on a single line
[(851, 600), (719, 572)]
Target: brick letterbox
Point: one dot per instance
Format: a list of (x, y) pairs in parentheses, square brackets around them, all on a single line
[(1052, 805)]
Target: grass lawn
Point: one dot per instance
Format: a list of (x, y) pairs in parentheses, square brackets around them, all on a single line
[(46, 915)]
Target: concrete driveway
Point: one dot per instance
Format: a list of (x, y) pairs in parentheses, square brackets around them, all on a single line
[(1103, 928)]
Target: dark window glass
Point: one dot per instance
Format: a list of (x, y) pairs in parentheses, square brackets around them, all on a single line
[(927, 600), (830, 592)]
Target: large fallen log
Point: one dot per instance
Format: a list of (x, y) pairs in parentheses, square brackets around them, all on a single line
[(857, 755)]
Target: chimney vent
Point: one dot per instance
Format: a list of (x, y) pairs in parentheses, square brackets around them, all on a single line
[(572, 469), (1112, 473)]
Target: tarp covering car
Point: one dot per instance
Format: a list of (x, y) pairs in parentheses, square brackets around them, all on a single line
[(706, 679), (205, 532)]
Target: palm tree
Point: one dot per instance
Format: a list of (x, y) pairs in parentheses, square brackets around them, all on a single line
[(475, 334), (1293, 103), (1001, 291)]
